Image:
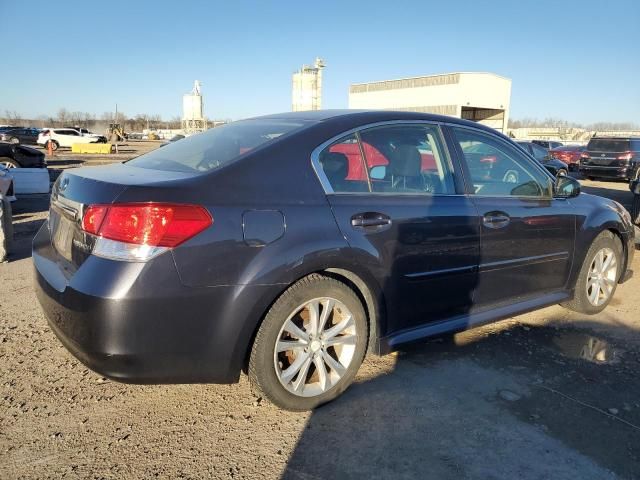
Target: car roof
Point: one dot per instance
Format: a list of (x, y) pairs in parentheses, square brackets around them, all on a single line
[(615, 138), (363, 117)]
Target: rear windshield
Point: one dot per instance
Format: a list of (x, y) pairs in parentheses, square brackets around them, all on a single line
[(608, 145), (217, 147)]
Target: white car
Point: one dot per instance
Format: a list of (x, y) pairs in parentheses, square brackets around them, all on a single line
[(63, 137)]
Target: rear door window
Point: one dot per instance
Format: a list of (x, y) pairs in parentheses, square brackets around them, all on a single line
[(216, 147)]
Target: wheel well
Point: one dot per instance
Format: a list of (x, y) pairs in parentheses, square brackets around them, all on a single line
[(373, 306)]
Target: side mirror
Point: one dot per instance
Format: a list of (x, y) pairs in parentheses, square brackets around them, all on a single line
[(378, 172), (566, 187)]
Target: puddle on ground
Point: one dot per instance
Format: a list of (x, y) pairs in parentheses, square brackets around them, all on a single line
[(586, 347)]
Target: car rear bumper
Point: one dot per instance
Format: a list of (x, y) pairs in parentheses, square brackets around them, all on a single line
[(608, 172), (137, 323)]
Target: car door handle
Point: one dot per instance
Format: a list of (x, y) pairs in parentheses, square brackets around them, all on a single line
[(495, 220), (370, 219)]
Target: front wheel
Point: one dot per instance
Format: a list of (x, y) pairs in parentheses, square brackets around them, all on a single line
[(561, 173), (310, 344), (7, 162), (599, 275)]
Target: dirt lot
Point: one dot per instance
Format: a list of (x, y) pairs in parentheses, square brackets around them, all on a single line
[(545, 395)]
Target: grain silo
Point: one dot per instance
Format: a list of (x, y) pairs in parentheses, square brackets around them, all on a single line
[(193, 119), (307, 87)]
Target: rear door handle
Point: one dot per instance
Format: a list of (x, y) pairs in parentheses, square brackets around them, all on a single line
[(370, 220), (496, 220)]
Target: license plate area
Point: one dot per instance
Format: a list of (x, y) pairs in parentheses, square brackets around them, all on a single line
[(62, 233)]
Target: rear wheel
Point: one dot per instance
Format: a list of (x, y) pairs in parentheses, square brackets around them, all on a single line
[(7, 162), (599, 275), (310, 344), (54, 145)]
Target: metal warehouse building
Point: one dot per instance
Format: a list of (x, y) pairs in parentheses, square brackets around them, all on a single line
[(478, 96)]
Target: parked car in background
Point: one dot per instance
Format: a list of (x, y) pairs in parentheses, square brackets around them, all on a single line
[(541, 154), (26, 136), (175, 138), (247, 247), (16, 156), (62, 137), (611, 158), (569, 154), (548, 144), (87, 133)]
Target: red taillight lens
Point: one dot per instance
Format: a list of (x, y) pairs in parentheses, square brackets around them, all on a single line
[(584, 155), (93, 217), (153, 224), (626, 156)]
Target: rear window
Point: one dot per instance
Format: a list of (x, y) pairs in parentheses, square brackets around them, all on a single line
[(608, 145), (217, 147)]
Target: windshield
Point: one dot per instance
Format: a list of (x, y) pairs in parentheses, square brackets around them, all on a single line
[(216, 147), (608, 145)]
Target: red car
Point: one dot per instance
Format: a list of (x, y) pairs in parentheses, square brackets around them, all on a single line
[(569, 154)]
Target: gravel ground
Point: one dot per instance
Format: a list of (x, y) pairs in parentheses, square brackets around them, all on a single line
[(550, 394)]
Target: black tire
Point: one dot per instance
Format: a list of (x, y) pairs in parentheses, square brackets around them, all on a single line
[(589, 177), (9, 162), (580, 302), (635, 209), (263, 376)]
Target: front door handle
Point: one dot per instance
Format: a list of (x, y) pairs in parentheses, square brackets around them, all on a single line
[(370, 220), (496, 220)]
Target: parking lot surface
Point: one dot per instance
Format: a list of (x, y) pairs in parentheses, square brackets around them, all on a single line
[(552, 394)]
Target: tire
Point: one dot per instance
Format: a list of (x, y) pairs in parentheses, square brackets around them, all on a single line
[(8, 162), (581, 302), (561, 173), (635, 209), (589, 177), (54, 145), (277, 376)]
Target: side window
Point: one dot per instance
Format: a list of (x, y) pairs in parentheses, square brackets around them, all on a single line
[(343, 166), (498, 169), (406, 158)]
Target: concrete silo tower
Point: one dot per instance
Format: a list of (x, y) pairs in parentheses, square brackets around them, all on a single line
[(307, 87), (193, 119)]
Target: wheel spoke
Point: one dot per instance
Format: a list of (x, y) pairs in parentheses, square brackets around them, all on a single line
[(286, 345), (288, 374), (341, 340), (336, 329), (327, 308), (323, 378), (293, 330), (314, 316), (593, 296), (333, 364), (600, 260), (298, 385)]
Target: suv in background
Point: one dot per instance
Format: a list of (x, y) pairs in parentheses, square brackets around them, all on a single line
[(548, 144), (63, 137), (611, 157)]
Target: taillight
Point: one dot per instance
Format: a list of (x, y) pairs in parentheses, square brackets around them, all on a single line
[(626, 156), (585, 156), (138, 231)]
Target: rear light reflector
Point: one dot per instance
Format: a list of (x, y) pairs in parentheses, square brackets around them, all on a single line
[(146, 224)]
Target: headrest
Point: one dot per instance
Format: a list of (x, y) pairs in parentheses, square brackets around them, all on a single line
[(335, 165), (405, 161)]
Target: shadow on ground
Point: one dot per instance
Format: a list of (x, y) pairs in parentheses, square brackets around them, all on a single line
[(521, 402)]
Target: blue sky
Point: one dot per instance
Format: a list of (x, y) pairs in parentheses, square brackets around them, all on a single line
[(576, 60)]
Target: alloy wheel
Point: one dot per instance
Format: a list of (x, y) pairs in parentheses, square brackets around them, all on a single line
[(602, 276), (315, 346)]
